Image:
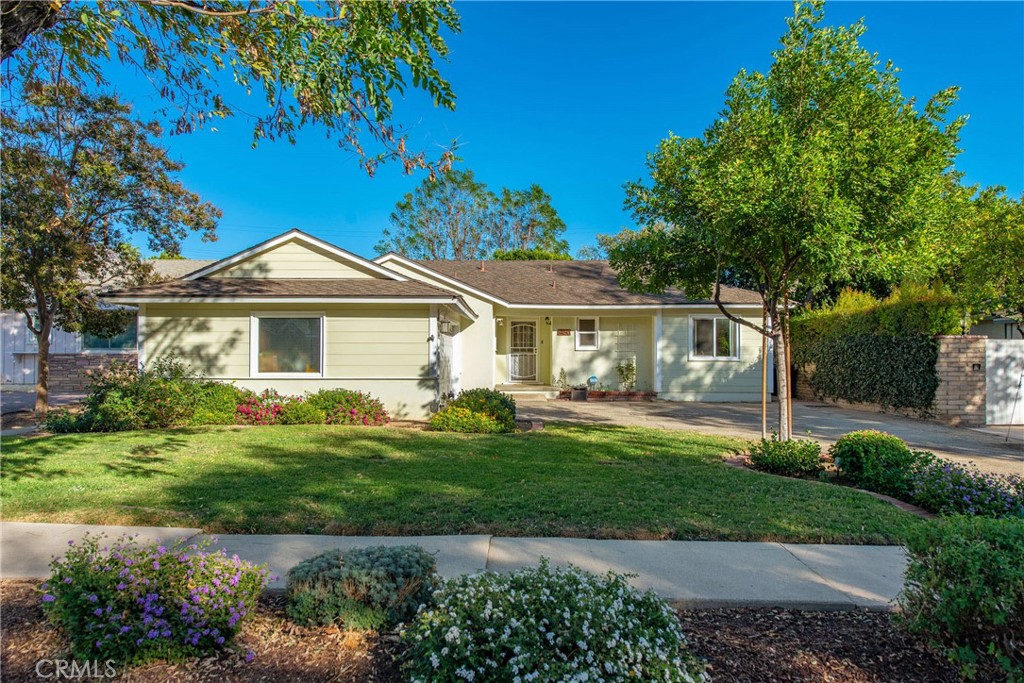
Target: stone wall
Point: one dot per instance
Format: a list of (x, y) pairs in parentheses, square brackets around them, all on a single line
[(67, 371), (960, 397)]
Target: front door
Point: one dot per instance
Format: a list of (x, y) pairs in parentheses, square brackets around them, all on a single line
[(522, 360)]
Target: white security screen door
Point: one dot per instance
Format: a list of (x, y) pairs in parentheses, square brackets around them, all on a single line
[(522, 358)]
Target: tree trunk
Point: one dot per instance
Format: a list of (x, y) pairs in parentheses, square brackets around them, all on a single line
[(22, 18), (782, 373), (764, 375), (43, 366)]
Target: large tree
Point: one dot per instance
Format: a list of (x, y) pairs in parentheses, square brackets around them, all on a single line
[(812, 170), (332, 63), (455, 216), (984, 256), (80, 175)]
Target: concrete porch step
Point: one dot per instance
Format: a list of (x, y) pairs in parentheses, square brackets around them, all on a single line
[(529, 392)]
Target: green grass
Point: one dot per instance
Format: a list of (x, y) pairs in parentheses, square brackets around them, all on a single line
[(587, 481)]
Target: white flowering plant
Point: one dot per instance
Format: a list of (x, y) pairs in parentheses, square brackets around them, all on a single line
[(545, 624)]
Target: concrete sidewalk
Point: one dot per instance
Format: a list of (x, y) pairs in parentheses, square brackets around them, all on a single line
[(697, 574)]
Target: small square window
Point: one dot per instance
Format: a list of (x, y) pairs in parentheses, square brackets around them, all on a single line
[(588, 335), (714, 338)]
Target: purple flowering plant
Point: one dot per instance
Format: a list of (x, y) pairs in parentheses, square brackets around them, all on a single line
[(949, 488), (134, 603)]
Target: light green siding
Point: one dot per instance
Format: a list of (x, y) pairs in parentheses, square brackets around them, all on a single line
[(687, 379), (477, 337), (295, 260), (621, 338), (360, 341)]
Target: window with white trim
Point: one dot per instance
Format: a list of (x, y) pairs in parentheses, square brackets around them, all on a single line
[(714, 338), (127, 340), (588, 334), (289, 345)]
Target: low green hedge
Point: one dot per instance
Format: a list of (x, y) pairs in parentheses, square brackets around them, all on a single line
[(964, 592), (793, 458), (484, 411), (878, 462)]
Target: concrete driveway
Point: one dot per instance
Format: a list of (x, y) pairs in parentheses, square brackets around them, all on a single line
[(990, 449), (17, 401)]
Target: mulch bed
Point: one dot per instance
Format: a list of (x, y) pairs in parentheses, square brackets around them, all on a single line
[(790, 646), (763, 646)]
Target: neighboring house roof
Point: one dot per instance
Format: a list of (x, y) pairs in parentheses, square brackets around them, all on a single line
[(172, 269), (563, 283), (268, 290)]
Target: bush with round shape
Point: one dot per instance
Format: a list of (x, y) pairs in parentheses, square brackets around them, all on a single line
[(547, 624), (134, 603), (454, 418), (792, 458), (363, 588), (964, 592), (878, 462), (349, 407), (501, 407), (300, 412)]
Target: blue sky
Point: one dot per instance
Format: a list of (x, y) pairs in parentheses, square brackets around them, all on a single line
[(573, 95)]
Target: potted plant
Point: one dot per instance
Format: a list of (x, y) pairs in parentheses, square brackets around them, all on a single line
[(578, 392)]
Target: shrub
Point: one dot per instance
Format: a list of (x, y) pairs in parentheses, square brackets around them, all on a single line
[(115, 412), (216, 403), (791, 458), (498, 405), (548, 625), (363, 588), (136, 603), (260, 409), (299, 412), (63, 421), (878, 462), (947, 488), (964, 592), (459, 419), (869, 351), (348, 407)]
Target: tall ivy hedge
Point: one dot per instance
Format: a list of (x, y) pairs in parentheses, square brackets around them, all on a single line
[(866, 350)]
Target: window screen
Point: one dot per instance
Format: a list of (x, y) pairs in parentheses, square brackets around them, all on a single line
[(586, 333)]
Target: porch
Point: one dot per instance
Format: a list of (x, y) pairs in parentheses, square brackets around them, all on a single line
[(534, 350), (529, 392)]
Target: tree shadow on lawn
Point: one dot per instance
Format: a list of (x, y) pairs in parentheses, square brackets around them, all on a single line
[(561, 482), (41, 458)]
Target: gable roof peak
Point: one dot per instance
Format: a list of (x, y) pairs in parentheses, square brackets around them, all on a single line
[(298, 235)]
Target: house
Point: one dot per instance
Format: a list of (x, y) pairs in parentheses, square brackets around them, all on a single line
[(297, 314), (72, 353)]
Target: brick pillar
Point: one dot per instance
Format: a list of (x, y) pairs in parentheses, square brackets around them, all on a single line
[(67, 370), (960, 398)]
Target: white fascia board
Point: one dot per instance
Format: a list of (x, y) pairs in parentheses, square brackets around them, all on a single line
[(631, 307), (296, 235), (420, 268)]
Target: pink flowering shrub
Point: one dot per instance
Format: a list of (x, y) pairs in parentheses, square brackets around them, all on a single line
[(134, 603), (348, 407), (264, 408)]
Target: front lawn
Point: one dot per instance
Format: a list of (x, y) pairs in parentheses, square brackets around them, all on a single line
[(589, 481)]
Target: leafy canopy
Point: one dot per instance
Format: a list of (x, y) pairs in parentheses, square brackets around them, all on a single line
[(331, 63), (80, 175), (811, 170), (456, 217)]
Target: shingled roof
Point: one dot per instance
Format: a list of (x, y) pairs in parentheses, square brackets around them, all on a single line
[(579, 283), (229, 287)]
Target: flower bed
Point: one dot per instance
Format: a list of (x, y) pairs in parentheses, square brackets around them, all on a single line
[(133, 603), (603, 395), (548, 625)]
